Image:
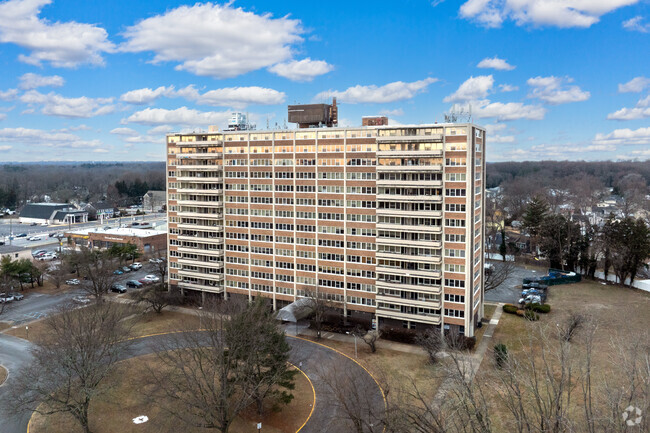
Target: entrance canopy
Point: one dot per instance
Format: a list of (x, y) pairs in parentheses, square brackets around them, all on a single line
[(296, 310)]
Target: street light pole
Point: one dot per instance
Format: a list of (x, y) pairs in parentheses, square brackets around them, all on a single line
[(356, 354)]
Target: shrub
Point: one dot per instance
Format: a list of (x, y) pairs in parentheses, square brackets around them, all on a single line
[(538, 308), (520, 313), (510, 309), (531, 315), (500, 355), (400, 335)]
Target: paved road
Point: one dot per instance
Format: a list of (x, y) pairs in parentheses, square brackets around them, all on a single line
[(313, 358), (14, 352), (7, 227)]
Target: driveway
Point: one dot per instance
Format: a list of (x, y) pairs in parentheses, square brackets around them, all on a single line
[(510, 290), (35, 306), (14, 352), (313, 359)]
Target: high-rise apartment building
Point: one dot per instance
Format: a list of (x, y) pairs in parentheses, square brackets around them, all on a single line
[(386, 220)]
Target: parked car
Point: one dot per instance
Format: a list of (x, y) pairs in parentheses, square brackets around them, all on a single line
[(34, 238), (152, 278), (126, 269), (72, 282), (118, 272), (145, 281), (17, 296), (135, 266), (21, 235), (118, 288), (51, 235), (32, 224), (134, 284), (38, 253), (4, 298), (80, 300), (156, 260)]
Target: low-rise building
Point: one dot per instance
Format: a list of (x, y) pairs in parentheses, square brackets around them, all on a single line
[(51, 213), (147, 241), (154, 201), (15, 252)]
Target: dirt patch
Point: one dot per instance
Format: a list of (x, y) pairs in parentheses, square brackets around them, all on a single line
[(114, 411), (3, 374)]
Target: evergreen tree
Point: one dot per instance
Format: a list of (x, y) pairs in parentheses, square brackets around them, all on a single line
[(503, 250), (536, 213)]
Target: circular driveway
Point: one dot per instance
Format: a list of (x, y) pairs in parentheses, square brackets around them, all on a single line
[(315, 360)]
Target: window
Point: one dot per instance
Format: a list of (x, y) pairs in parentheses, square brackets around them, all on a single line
[(455, 298), (454, 313), (455, 192), (454, 222)]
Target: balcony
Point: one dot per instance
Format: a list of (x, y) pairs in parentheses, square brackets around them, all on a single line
[(408, 272), (409, 198), (411, 228), (215, 252), (215, 239), (420, 318), (202, 179), (216, 228), (418, 168), (410, 243), (381, 284), (199, 203), (217, 276), (410, 213), (411, 183), (397, 153), (421, 302), (435, 259), (200, 191), (410, 138), (201, 287)]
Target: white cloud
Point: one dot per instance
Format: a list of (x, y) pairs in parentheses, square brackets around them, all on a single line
[(556, 13), (508, 111), (508, 88), (3, 116), (396, 112), (625, 136), (235, 97), (636, 25), (8, 95), (63, 44), (552, 90), (32, 81), (179, 116), (5, 148), (301, 70), (472, 89), (148, 139), (495, 63), (45, 138), (390, 92), (101, 151), (125, 131), (162, 129), (501, 138), (635, 85), (145, 95), (642, 110), (215, 40), (53, 104)]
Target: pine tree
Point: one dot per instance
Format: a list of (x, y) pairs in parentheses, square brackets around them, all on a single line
[(536, 212)]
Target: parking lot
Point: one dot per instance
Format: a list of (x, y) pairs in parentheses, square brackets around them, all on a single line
[(36, 306), (510, 290)]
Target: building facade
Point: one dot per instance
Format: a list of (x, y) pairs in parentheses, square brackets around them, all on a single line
[(385, 220)]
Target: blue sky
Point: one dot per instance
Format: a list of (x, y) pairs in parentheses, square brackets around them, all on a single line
[(550, 79)]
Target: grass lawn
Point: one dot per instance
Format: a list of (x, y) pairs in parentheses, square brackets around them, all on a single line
[(114, 411), (391, 368), (620, 313), (3, 374), (143, 324)]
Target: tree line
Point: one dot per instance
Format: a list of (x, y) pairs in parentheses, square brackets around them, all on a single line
[(87, 182), (621, 245)]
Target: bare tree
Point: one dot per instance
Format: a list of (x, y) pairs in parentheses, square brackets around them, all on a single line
[(57, 275), (320, 305), (571, 325), (72, 361), (98, 271), (432, 342), (208, 378), (156, 297), (369, 337), (160, 264), (497, 274)]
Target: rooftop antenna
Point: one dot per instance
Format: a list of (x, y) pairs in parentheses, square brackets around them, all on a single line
[(458, 115), (267, 121)]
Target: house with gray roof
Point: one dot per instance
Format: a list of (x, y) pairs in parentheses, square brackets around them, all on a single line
[(51, 213)]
